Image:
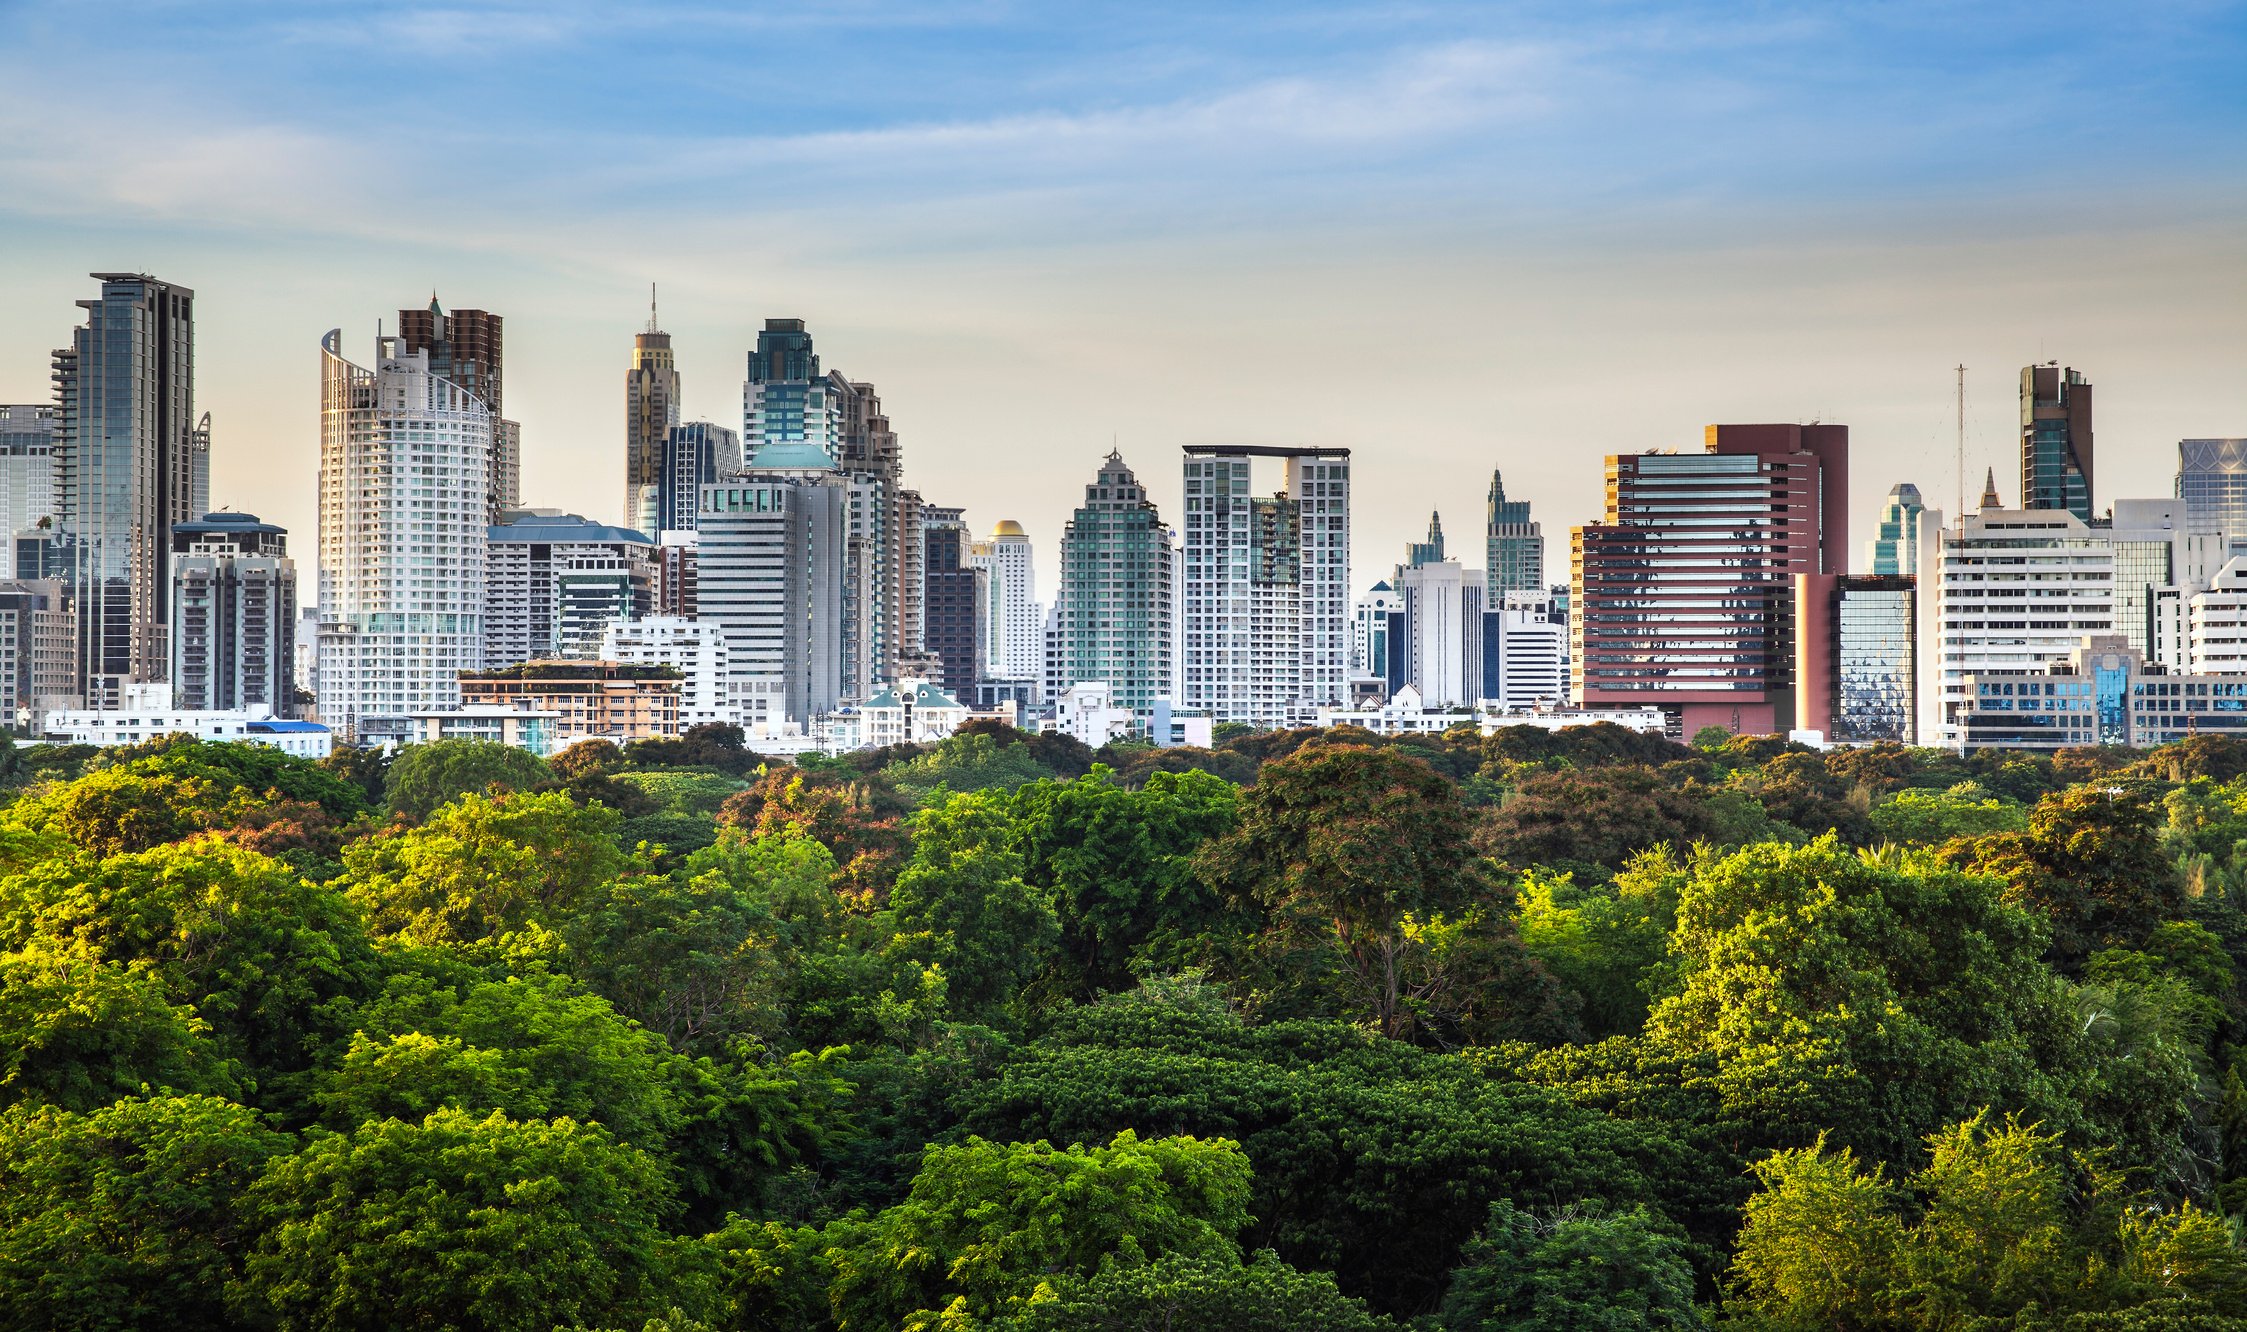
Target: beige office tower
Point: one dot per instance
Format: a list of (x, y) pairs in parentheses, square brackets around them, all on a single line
[(651, 408)]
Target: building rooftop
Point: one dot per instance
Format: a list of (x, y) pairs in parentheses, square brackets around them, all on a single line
[(288, 728), (226, 520), (530, 525)]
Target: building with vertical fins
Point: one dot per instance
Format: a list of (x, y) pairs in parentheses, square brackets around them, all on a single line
[(27, 466), (1515, 547), (555, 582), (694, 455), (1681, 598), (2212, 481), (954, 601), (1894, 547), (651, 409), (2056, 439), (1111, 618), (1266, 601), (233, 615), (405, 475), (131, 467), (467, 348)]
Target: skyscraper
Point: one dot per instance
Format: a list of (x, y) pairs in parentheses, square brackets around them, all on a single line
[(1013, 636), (467, 349), (555, 582), (131, 467), (1894, 548), (2056, 440), (405, 472), (1111, 617), (1856, 655), (694, 455), (27, 466), (651, 409), (1443, 604), (956, 592), (1266, 604), (1682, 595), (1417, 553), (1516, 547), (2212, 481), (233, 615), (769, 571)]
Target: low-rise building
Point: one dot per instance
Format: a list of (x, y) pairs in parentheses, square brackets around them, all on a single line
[(608, 700), (147, 714), (1172, 726), (2106, 693), (696, 649), (909, 712), (1087, 711), (1404, 713), (522, 728)]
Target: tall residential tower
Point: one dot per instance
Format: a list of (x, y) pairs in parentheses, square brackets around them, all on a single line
[(1111, 618)]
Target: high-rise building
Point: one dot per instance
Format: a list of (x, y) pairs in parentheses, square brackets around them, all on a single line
[(694, 455), (556, 581), (27, 466), (133, 463), (1266, 602), (2212, 481), (770, 566), (1443, 605), (676, 555), (2003, 590), (1515, 546), (1111, 617), (1524, 652), (1682, 595), (2218, 623), (233, 615), (651, 409), (467, 349), (1377, 641), (1013, 636), (1894, 548), (1428, 551), (38, 658), (1856, 656), (405, 472), (2155, 550), (2056, 440), (954, 601)]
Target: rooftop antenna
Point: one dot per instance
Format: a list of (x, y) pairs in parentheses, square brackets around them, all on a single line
[(651, 309), (1962, 439)]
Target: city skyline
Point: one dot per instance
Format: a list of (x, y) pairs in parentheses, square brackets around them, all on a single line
[(1115, 209)]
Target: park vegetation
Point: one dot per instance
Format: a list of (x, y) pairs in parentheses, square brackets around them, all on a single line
[(1587, 1030)]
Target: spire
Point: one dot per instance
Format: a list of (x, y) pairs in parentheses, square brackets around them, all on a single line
[(1497, 486), (435, 308), (1989, 491), (653, 327), (1435, 529)]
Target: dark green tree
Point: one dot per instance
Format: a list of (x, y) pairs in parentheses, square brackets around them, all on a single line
[(423, 778)]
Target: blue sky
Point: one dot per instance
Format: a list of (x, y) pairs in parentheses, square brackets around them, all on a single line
[(1450, 236)]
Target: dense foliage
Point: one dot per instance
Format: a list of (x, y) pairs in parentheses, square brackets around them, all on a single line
[(1584, 1030)]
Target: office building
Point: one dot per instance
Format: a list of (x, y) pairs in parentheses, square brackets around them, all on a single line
[(1515, 546), (1111, 617), (1681, 596), (2056, 440), (555, 583), (2217, 623), (1013, 640), (955, 597), (1443, 631), (233, 615), (27, 466), (651, 410), (405, 463), (1265, 610), (38, 670), (1089, 713), (2003, 591), (675, 557), (2158, 562), (467, 348), (770, 567), (693, 455), (1894, 548), (1377, 642), (695, 649), (2212, 481), (1856, 656), (134, 458), (1524, 653), (2102, 693), (604, 700)]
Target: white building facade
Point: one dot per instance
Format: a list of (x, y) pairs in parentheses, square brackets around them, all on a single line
[(1014, 628), (696, 649), (147, 714), (405, 476), (1443, 631), (1531, 653)]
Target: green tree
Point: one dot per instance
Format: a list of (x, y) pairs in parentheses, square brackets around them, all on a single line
[(422, 778), (974, 761), (2091, 861), (1931, 818), (961, 904), (1606, 943), (78, 1034), (125, 1216), (1188, 1293), (465, 1221), (479, 868), (1578, 1270)]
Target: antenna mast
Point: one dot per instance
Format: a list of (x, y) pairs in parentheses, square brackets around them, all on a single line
[(1962, 439)]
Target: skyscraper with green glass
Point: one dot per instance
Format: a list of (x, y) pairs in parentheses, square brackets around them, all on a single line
[(1516, 553), (1894, 548), (1112, 617)]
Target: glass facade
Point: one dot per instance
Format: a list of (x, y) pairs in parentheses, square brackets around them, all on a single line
[(1894, 548), (694, 455), (1875, 660), (2056, 440), (2212, 481), (1112, 616), (1516, 546)]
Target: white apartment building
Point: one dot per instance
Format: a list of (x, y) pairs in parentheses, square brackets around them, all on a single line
[(1264, 619), (147, 714), (1443, 631), (1372, 619), (1014, 627), (696, 649), (405, 480), (2004, 590), (2217, 624), (909, 712), (1088, 712), (1532, 652)]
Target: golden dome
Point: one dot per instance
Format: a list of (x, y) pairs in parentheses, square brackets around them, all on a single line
[(1008, 527)]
